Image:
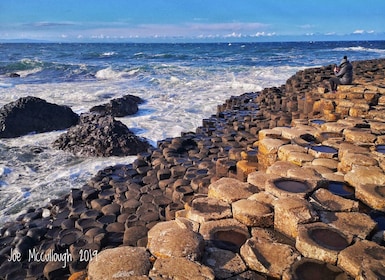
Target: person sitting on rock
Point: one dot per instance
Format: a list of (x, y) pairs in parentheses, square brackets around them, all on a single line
[(344, 74)]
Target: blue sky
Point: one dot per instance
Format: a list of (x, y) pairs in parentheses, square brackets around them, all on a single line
[(191, 20)]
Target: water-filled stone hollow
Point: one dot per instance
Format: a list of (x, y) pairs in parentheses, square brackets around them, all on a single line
[(310, 269), (323, 151), (230, 239), (380, 149), (292, 186), (341, 189), (328, 238), (317, 121)]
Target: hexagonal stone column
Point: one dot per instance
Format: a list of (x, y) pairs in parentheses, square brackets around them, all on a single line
[(321, 242), (291, 212), (120, 262), (268, 257)]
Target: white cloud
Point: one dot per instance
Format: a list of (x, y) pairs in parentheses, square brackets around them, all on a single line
[(233, 35), (46, 24), (306, 26), (262, 34), (359, 31), (98, 36), (187, 30), (101, 31)]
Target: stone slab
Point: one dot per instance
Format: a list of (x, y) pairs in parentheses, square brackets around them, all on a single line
[(252, 213), (372, 195), (268, 146), (180, 268), (230, 190), (204, 209), (350, 223), (352, 258), (174, 239), (224, 263), (291, 212), (119, 263), (323, 199), (321, 242), (268, 257), (365, 175), (259, 178)]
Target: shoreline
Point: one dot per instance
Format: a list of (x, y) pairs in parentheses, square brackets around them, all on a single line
[(121, 204)]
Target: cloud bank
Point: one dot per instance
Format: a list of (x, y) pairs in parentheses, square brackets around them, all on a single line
[(196, 30)]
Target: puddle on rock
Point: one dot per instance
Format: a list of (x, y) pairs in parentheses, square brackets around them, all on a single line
[(314, 270), (329, 238), (379, 218), (319, 122), (341, 189), (324, 149), (228, 240), (292, 186), (380, 149)]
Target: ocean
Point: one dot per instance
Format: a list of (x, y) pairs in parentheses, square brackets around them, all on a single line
[(181, 84)]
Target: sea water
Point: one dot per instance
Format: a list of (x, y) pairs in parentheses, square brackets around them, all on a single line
[(180, 83)]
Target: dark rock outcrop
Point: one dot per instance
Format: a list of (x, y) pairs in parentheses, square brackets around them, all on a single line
[(97, 135), (119, 107), (32, 114), (14, 75)]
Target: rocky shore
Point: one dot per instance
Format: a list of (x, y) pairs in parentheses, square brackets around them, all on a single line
[(286, 183)]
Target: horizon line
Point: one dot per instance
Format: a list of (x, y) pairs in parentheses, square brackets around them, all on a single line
[(180, 40)]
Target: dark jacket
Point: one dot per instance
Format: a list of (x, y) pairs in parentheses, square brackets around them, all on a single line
[(345, 74)]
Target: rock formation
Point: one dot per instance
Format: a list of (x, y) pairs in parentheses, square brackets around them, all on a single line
[(104, 136), (119, 107), (31, 114)]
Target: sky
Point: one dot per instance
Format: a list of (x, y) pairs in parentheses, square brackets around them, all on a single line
[(191, 20)]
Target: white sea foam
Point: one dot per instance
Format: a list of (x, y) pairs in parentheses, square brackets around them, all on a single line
[(5, 85), (26, 73), (108, 54), (133, 71), (108, 74), (360, 49), (32, 172)]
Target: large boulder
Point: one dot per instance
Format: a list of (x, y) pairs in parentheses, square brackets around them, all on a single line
[(97, 135), (31, 114), (119, 107), (120, 263)]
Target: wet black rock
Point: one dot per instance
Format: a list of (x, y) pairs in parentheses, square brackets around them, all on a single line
[(14, 75), (31, 114), (97, 135), (119, 107)]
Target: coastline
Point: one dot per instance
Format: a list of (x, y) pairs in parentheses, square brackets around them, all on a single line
[(121, 204)]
